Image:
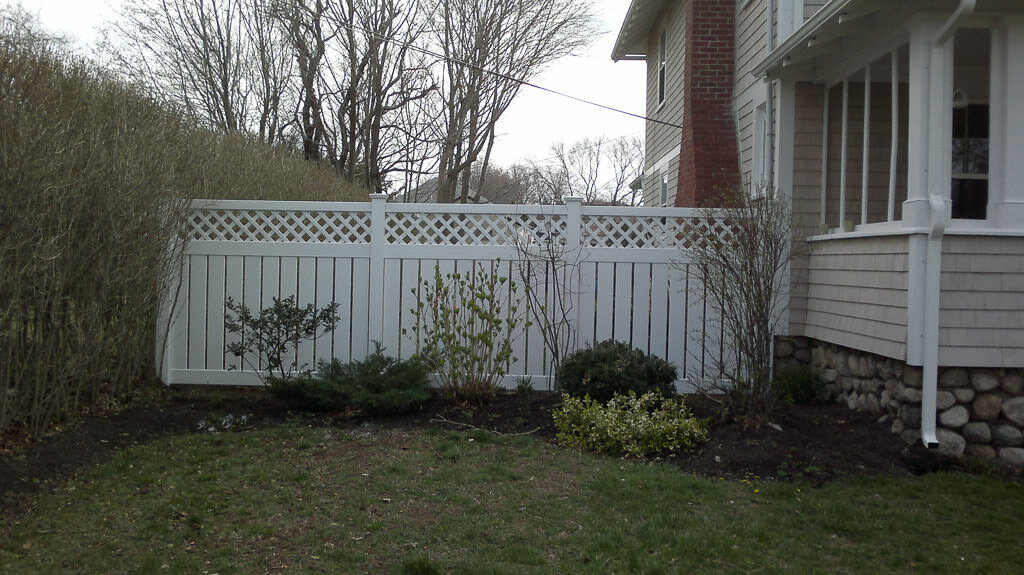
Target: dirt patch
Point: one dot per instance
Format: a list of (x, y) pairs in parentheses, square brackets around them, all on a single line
[(818, 443)]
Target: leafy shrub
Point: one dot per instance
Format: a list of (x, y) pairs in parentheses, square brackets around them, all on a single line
[(799, 385), (464, 326), (276, 332), (612, 367), (628, 424), (95, 178), (378, 385)]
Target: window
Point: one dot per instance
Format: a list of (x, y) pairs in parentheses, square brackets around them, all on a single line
[(663, 186), (970, 161), (971, 80), (661, 68)]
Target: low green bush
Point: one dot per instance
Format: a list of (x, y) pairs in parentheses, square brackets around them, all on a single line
[(378, 385), (799, 385), (628, 425), (610, 367)]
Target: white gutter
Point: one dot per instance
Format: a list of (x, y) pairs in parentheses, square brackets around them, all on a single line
[(933, 274)]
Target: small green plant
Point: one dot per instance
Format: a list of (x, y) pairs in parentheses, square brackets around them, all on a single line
[(464, 326), (612, 367), (524, 385), (420, 566), (378, 385), (628, 424), (799, 385), (275, 333)]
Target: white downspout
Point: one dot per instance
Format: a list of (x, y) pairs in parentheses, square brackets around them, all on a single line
[(933, 276), (933, 271), (965, 9)]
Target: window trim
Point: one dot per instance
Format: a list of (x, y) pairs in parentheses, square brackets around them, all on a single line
[(662, 66)]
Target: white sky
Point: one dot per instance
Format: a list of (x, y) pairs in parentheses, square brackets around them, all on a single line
[(531, 125)]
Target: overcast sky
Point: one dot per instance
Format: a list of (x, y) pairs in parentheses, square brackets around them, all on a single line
[(532, 124)]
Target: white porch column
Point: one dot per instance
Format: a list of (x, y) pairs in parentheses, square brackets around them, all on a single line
[(1006, 167), (785, 137), (930, 147), (930, 138)]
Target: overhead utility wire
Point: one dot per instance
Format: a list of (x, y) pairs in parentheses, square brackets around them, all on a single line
[(502, 75)]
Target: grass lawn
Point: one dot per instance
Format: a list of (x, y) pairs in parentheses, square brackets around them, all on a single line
[(316, 500)]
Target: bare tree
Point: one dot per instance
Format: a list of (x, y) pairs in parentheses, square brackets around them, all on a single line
[(596, 169), (550, 272), (489, 47), (625, 157), (308, 33), (385, 76), (741, 257), (217, 59)]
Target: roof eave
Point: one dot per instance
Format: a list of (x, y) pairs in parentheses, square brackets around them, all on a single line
[(631, 41)]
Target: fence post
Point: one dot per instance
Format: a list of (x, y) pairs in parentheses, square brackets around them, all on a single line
[(573, 223), (378, 237)]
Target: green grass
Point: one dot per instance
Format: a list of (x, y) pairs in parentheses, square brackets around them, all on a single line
[(312, 500)]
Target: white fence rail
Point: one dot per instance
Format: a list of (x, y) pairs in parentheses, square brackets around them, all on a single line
[(631, 278)]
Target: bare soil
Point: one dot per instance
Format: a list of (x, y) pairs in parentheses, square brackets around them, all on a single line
[(817, 443)]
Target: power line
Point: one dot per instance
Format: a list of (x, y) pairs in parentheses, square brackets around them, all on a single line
[(505, 76)]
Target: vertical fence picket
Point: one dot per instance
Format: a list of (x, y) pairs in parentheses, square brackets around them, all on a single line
[(391, 305), (305, 294), (341, 344), (216, 281), (323, 295), (622, 306), (364, 315), (197, 312)]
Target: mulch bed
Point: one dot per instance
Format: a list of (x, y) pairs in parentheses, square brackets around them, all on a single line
[(818, 443)]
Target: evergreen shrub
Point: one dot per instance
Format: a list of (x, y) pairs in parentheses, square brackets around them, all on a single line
[(611, 367), (377, 386)]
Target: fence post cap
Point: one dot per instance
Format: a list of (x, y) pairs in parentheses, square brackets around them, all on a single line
[(578, 199), (378, 196)]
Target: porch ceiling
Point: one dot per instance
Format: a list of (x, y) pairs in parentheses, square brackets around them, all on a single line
[(846, 34), (631, 44)]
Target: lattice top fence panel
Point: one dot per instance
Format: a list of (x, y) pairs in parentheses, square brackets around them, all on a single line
[(616, 231), (522, 226), (474, 229), (288, 226)]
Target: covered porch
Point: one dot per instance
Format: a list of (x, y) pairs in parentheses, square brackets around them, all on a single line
[(898, 130)]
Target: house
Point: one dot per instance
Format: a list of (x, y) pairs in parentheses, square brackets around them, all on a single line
[(896, 130)]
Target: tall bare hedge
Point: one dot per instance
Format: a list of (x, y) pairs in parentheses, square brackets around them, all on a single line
[(94, 181)]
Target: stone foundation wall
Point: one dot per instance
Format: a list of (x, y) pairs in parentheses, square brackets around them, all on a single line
[(980, 411)]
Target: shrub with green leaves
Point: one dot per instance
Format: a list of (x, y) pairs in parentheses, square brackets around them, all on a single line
[(376, 386), (628, 425), (465, 322), (275, 333), (95, 178), (799, 385), (612, 367)]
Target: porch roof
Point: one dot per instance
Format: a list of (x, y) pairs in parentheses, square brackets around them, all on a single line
[(820, 36)]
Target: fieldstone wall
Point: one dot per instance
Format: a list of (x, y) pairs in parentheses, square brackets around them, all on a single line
[(980, 411)]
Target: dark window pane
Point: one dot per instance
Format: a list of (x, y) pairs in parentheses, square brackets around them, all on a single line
[(970, 199), (977, 121)]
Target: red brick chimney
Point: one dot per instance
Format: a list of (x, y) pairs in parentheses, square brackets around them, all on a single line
[(709, 157)]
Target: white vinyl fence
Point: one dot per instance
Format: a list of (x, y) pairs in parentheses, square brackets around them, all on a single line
[(630, 278)]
